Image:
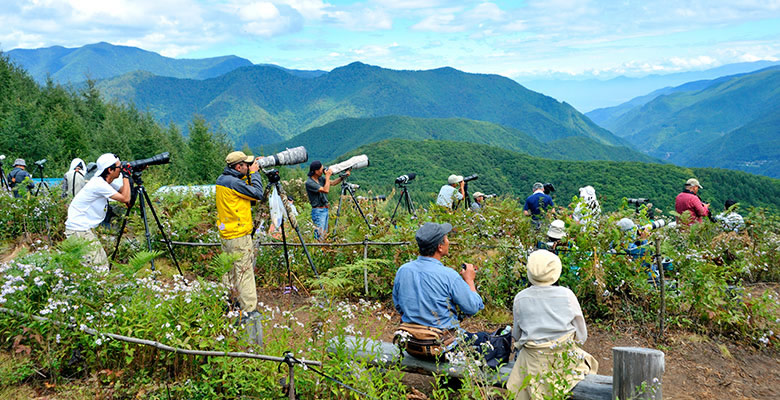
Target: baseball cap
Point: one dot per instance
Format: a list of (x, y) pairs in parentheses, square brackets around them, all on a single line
[(478, 194), (431, 234), (454, 179), (237, 157), (693, 182), (105, 161)]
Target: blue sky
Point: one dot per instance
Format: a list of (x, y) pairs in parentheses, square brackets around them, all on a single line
[(518, 39)]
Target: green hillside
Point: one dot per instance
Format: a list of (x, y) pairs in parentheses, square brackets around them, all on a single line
[(680, 126), (335, 138), (505, 172), (259, 105)]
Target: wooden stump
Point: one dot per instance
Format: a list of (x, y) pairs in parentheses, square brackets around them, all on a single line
[(637, 373)]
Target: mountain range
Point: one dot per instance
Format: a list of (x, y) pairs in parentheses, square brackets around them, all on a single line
[(589, 94), (729, 122), (260, 105), (333, 139), (104, 60)]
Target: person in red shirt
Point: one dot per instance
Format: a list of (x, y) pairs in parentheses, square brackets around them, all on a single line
[(689, 200)]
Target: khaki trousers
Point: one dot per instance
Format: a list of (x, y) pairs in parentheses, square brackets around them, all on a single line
[(96, 256), (242, 276), (538, 366)]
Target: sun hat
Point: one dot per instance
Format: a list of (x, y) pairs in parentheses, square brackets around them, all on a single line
[(544, 268), (431, 234), (20, 161), (453, 179), (237, 157), (626, 224), (105, 161), (557, 229), (693, 182), (478, 194)]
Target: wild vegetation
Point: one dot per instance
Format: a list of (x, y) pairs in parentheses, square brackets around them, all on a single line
[(714, 288)]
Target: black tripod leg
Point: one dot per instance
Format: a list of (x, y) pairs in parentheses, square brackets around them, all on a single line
[(354, 199), (121, 231), (141, 193), (400, 199), (162, 232), (286, 255)]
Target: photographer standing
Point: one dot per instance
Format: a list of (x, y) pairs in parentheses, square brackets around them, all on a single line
[(537, 202), (317, 188), (18, 175), (689, 201), (73, 181), (88, 208), (453, 190), (237, 189)]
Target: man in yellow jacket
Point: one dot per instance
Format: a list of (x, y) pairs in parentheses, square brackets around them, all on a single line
[(238, 188)]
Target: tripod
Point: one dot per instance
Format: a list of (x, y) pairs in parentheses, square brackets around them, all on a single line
[(406, 200), (3, 182), (466, 197), (139, 193), (42, 182), (346, 187), (273, 181)]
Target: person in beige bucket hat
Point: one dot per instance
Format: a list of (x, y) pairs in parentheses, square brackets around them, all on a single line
[(548, 320)]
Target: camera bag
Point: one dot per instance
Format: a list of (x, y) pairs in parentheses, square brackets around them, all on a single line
[(422, 341)]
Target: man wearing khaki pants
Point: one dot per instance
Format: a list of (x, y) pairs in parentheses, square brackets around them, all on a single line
[(237, 189)]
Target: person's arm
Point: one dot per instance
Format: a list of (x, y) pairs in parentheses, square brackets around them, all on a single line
[(326, 187), (580, 329), (462, 189), (464, 292), (339, 179), (123, 195), (253, 191), (699, 207), (526, 211)]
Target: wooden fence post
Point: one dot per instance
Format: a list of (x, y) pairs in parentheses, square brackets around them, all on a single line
[(637, 373)]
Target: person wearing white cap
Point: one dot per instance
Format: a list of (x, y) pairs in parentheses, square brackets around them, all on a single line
[(73, 181), (548, 321), (89, 205), (479, 197), (453, 190), (555, 233), (588, 207), (19, 175), (688, 201)]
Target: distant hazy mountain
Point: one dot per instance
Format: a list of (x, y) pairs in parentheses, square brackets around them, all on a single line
[(507, 172), (336, 138), (730, 122), (104, 60), (590, 94), (261, 105)]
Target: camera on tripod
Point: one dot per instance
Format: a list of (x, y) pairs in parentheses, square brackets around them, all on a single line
[(355, 162), (470, 178), (404, 179), (40, 163), (490, 196), (639, 202), (137, 166)]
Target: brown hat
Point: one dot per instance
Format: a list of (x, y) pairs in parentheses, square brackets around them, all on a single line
[(237, 157), (544, 268)]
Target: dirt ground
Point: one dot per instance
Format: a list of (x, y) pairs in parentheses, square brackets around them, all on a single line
[(697, 367)]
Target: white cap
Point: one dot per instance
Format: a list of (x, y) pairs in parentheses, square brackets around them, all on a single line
[(453, 179), (105, 161)]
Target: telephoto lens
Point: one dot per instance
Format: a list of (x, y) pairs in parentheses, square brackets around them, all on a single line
[(659, 223), (159, 159), (471, 178), (355, 162), (405, 178), (296, 155)]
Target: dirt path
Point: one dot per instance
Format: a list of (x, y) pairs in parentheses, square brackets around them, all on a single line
[(696, 367)]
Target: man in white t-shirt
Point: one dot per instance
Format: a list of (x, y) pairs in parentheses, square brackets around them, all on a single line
[(88, 208), (452, 191)]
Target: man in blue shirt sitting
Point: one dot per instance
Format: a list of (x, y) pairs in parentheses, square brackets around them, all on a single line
[(536, 203), (426, 292)]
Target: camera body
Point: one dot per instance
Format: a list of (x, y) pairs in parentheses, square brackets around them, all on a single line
[(548, 188), (273, 176), (353, 186), (404, 179), (470, 178)]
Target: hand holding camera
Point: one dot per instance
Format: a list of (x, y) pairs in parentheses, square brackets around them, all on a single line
[(468, 272)]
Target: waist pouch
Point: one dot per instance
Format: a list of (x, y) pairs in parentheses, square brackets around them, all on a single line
[(422, 341)]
